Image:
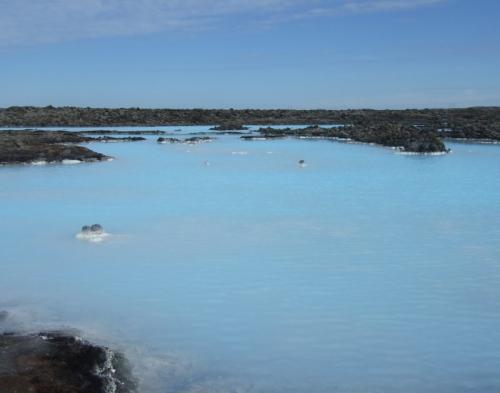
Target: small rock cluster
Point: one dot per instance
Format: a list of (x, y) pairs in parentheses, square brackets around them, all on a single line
[(95, 229)]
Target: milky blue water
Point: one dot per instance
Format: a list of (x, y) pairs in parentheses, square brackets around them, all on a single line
[(366, 271)]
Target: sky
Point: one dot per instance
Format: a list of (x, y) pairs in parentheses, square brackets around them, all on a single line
[(299, 54)]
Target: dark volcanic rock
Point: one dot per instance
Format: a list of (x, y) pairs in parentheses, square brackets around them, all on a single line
[(198, 139), (405, 138), (121, 139), (114, 132), (477, 123), (230, 127), (481, 123), (97, 228), (264, 136), (49, 153), (50, 146), (191, 140), (60, 363)]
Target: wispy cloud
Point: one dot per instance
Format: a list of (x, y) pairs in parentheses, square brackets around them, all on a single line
[(384, 5), (42, 21), (322, 9)]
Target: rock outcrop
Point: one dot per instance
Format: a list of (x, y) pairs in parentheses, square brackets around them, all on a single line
[(27, 146), (405, 138), (233, 126), (92, 233), (56, 362), (192, 140)]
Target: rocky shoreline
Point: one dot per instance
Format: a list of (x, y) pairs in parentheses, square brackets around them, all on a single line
[(59, 362), (410, 131), (471, 123), (476, 120)]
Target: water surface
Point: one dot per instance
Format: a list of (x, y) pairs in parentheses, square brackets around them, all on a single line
[(366, 271)]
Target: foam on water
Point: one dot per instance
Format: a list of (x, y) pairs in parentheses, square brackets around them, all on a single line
[(92, 237), (71, 162)]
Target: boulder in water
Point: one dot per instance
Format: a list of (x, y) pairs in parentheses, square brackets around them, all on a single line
[(51, 362), (93, 233), (96, 228)]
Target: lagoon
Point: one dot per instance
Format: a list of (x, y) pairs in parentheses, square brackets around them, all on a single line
[(365, 271)]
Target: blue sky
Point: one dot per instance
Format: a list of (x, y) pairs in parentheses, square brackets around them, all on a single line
[(250, 54)]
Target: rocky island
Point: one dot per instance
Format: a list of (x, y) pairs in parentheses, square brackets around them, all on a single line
[(406, 139), (27, 146)]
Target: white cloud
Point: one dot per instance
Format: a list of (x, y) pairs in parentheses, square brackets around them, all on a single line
[(38, 21)]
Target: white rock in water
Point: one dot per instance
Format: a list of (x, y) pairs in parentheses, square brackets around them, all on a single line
[(71, 162)]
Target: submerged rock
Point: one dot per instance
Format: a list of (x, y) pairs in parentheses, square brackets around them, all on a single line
[(302, 163), (56, 362)]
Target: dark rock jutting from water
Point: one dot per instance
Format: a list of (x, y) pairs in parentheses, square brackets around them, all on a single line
[(96, 229), (119, 139), (117, 132), (28, 146), (192, 140), (56, 362), (233, 126), (406, 139), (44, 146)]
